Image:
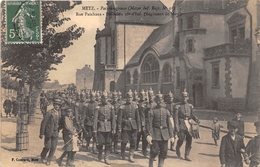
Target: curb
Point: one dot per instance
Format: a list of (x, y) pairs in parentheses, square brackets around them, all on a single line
[(249, 137)]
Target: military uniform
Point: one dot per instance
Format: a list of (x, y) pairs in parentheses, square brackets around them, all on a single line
[(104, 125), (129, 125), (159, 131), (182, 119), (88, 121)]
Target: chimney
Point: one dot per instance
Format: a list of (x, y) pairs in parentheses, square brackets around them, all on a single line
[(89, 66), (86, 65)]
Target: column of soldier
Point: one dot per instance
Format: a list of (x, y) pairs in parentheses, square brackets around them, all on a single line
[(112, 122)]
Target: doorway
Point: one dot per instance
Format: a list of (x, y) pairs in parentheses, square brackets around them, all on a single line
[(198, 95)]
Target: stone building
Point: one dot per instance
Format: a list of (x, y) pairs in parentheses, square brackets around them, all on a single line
[(207, 48), (125, 31), (84, 77)]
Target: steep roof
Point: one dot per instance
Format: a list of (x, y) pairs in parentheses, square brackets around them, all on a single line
[(160, 40), (140, 14)]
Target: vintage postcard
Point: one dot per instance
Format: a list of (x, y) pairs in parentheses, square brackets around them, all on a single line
[(130, 83)]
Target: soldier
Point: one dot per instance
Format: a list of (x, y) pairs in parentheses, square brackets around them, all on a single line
[(50, 129), (183, 117), (170, 105), (143, 117), (135, 97), (159, 131), (116, 105), (98, 97), (88, 121), (128, 125), (104, 126), (119, 96)]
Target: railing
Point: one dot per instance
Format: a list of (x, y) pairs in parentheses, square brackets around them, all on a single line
[(110, 66), (228, 49)]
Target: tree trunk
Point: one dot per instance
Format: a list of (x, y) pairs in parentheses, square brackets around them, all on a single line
[(30, 109)]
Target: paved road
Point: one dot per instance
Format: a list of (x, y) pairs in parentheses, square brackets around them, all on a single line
[(203, 154)]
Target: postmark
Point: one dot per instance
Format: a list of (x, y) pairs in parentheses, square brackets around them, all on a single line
[(23, 22)]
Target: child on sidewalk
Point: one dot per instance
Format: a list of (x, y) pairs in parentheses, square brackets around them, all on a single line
[(70, 139), (253, 148), (216, 130)]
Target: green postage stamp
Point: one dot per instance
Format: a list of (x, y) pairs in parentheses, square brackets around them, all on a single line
[(23, 21)]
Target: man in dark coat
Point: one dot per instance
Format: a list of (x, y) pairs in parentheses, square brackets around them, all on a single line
[(7, 107), (159, 131), (128, 125), (104, 126), (241, 124), (232, 145), (50, 129), (15, 104)]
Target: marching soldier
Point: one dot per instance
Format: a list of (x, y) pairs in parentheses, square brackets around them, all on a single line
[(170, 105), (104, 126), (144, 119), (98, 97), (183, 118), (116, 138), (88, 121), (50, 130), (119, 96), (128, 125), (159, 131), (135, 97)]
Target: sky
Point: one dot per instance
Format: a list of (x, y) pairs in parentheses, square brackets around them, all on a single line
[(82, 51)]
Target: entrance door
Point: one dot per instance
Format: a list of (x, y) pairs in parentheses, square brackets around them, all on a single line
[(198, 94)]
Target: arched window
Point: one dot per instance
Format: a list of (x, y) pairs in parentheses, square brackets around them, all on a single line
[(135, 77), (112, 86), (150, 70), (167, 73), (128, 78)]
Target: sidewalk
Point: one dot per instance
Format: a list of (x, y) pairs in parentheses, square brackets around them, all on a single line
[(206, 116)]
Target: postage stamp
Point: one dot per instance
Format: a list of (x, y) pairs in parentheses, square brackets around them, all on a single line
[(23, 21)]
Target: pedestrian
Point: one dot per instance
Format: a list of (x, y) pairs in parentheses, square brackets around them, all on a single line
[(159, 131), (215, 130), (15, 107), (253, 148), (7, 107), (183, 118), (104, 126), (129, 125), (241, 124), (231, 147), (69, 134), (50, 130)]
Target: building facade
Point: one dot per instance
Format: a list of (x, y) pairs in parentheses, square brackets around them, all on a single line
[(84, 78), (207, 48), (125, 31)]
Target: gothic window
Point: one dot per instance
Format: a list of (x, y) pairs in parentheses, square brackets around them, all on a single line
[(150, 70), (215, 74), (135, 77), (128, 78), (167, 73), (190, 45), (178, 77)]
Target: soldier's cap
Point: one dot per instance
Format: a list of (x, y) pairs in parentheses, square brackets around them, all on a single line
[(135, 93), (67, 110), (142, 92), (215, 118), (114, 94), (233, 124), (104, 94), (185, 94), (57, 101), (257, 124), (119, 93), (129, 93), (159, 94), (97, 94), (238, 112), (170, 94), (150, 92)]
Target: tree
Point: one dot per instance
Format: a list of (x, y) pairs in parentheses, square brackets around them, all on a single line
[(31, 62)]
